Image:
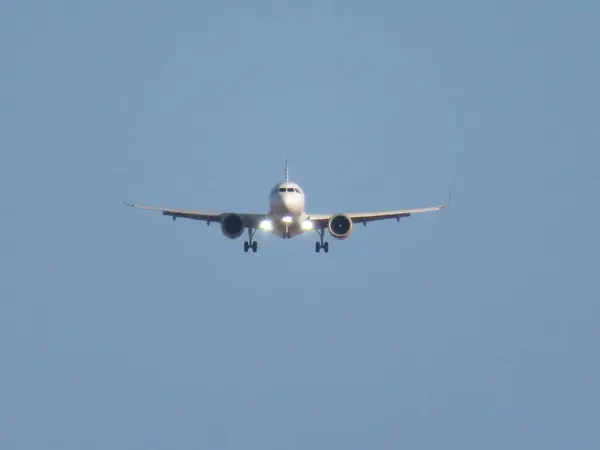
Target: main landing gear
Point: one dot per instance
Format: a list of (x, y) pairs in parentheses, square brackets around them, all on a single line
[(251, 243), (321, 245)]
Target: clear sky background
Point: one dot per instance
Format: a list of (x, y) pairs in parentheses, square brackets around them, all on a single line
[(472, 328)]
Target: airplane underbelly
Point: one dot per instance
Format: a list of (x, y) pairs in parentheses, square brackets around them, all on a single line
[(288, 232)]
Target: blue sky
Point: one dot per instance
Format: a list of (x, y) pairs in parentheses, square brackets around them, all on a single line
[(471, 328)]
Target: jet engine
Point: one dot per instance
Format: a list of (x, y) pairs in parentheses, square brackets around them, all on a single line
[(232, 225), (340, 226)]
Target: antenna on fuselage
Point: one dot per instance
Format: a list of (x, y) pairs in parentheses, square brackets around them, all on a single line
[(286, 170)]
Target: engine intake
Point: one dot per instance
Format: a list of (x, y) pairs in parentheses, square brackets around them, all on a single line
[(340, 226), (232, 225)]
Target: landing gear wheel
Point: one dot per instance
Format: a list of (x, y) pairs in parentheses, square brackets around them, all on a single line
[(251, 243), (321, 245)]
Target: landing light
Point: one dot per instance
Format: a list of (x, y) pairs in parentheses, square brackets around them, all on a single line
[(307, 225), (287, 219), (266, 225)]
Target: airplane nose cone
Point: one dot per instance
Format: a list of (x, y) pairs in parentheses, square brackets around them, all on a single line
[(292, 203), (288, 201)]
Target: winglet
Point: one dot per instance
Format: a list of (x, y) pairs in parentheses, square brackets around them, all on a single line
[(286, 170), (449, 198), (448, 203)]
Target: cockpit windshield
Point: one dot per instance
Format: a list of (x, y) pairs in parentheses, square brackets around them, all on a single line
[(286, 189)]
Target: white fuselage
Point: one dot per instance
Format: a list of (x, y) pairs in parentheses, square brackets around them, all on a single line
[(286, 210)]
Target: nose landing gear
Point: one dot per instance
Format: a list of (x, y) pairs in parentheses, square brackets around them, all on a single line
[(321, 245)]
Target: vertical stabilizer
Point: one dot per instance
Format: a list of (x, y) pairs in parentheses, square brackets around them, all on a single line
[(286, 170)]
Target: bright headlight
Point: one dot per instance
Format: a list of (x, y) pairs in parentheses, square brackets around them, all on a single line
[(266, 225), (307, 225), (287, 219)]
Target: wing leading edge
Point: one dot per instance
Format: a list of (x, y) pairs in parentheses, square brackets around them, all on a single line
[(378, 215), (250, 220)]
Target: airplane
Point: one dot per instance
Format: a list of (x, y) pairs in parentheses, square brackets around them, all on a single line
[(287, 217)]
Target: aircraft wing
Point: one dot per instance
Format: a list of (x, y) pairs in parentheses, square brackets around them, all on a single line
[(250, 220), (365, 217)]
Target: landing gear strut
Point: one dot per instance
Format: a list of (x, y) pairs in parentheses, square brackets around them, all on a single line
[(321, 245), (251, 243)]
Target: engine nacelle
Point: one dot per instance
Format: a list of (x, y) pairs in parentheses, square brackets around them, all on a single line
[(232, 225), (340, 226)]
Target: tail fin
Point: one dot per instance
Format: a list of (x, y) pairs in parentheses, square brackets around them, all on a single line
[(286, 170)]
